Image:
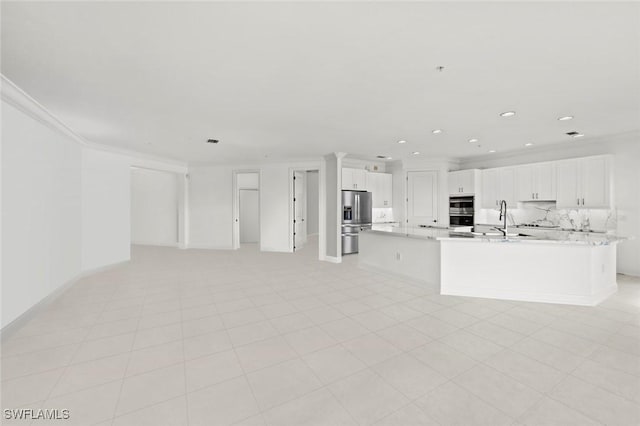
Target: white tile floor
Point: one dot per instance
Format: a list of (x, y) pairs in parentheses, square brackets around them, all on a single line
[(220, 337)]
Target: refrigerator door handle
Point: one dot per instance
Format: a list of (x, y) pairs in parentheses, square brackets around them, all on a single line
[(357, 196)]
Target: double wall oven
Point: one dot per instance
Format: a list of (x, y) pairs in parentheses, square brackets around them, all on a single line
[(461, 211)]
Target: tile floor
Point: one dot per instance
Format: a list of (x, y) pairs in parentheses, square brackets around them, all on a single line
[(219, 337)]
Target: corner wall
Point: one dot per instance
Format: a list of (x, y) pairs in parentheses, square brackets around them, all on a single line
[(65, 204)]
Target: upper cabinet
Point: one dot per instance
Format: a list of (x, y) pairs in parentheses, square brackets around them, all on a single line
[(381, 187), (463, 182), (497, 185), (584, 183), (354, 179), (576, 183), (536, 182)]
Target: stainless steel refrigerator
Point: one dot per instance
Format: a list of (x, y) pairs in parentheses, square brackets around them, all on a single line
[(356, 215)]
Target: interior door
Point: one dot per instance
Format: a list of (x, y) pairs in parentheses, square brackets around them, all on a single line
[(422, 198), (249, 216), (299, 210)]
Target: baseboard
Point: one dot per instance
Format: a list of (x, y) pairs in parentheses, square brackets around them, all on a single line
[(154, 244), (208, 247), (563, 299), (333, 259), (29, 314)]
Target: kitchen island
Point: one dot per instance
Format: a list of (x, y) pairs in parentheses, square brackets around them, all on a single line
[(557, 267)]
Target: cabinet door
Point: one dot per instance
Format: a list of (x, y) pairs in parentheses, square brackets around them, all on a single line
[(347, 179), (525, 190), (594, 183), (545, 181), (360, 179), (454, 183), (507, 186), (489, 189), (385, 187), (373, 185), (466, 181), (567, 184)]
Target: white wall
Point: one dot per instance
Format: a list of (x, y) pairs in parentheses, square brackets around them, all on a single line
[(313, 198), (105, 208), (248, 180), (626, 157), (210, 207), (154, 207), (41, 211), (65, 203)]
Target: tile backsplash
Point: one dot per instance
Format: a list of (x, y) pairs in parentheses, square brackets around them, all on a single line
[(382, 215), (546, 214)]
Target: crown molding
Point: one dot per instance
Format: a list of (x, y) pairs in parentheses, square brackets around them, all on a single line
[(22, 101)]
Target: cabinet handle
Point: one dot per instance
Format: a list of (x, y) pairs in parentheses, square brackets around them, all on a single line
[(578, 201), (583, 201), (537, 196)]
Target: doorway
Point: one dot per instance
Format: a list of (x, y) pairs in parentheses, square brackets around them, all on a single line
[(246, 207), (249, 214), (299, 209)]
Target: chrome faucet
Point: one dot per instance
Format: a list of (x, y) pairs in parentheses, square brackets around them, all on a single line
[(503, 215)]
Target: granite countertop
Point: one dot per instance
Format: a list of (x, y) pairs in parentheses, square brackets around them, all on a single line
[(547, 236)]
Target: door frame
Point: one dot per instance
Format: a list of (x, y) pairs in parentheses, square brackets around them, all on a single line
[(235, 220), (321, 204)]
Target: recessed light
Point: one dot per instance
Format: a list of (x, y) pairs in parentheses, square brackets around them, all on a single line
[(436, 131), (403, 141), (579, 135), (415, 153), (212, 141), (508, 114), (491, 151), (473, 140), (528, 144), (389, 158), (565, 118)]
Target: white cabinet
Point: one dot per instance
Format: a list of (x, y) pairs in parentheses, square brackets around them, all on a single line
[(462, 182), (354, 179), (498, 184), (536, 182), (381, 187), (584, 183)]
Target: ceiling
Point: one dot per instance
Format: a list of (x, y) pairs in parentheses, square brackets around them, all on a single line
[(284, 81)]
